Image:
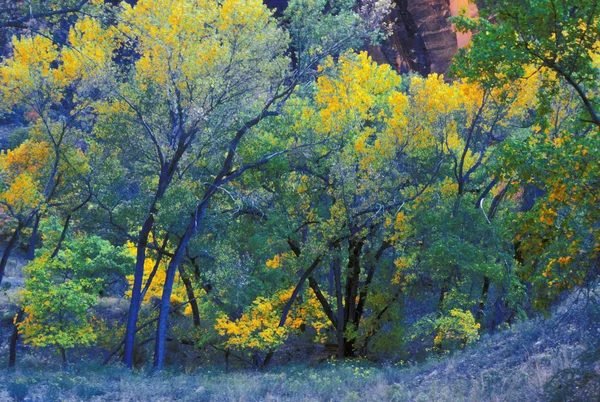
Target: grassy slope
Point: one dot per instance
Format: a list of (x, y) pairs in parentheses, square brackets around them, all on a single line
[(540, 360)]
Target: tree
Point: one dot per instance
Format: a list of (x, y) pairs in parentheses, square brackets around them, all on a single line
[(61, 291), (176, 99), (556, 36), (336, 207), (229, 168), (47, 166), (551, 167)]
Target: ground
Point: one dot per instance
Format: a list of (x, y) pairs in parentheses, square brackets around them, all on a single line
[(547, 359)]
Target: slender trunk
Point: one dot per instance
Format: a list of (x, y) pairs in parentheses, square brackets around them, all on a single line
[(155, 268), (65, 229), (8, 249), (314, 285), (12, 359), (364, 293), (442, 296), (63, 234), (63, 355), (337, 274), (34, 237), (134, 306), (483, 301), (352, 284), (163, 316), (496, 202), (162, 326), (330, 280), (461, 164), (189, 290), (288, 305)]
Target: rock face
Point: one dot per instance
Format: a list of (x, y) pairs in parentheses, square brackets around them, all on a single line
[(422, 39)]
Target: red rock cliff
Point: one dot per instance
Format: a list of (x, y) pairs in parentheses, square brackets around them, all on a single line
[(422, 39)]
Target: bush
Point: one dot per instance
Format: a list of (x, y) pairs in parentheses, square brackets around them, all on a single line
[(88, 391), (18, 389), (450, 332)]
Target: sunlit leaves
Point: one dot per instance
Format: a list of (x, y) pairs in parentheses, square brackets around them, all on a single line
[(258, 328)]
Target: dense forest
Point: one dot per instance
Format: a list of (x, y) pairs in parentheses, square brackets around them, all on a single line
[(243, 185)]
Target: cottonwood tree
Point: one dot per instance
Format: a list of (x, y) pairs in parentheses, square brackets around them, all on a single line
[(551, 167), (315, 46), (556, 36), (61, 289), (169, 110), (335, 205), (47, 167)]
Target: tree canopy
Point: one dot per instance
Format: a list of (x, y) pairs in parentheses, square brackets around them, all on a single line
[(243, 181)]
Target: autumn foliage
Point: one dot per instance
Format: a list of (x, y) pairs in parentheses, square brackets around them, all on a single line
[(244, 182)]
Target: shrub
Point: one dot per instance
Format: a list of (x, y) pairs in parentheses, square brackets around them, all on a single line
[(18, 389), (450, 332)]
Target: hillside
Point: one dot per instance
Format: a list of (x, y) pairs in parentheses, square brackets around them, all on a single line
[(552, 359)]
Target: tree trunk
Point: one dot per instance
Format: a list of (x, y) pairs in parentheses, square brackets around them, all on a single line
[(165, 303), (314, 285), (352, 284), (12, 358), (134, 305), (63, 355), (189, 290), (63, 234), (159, 258), (443, 292), (34, 237), (8, 249), (364, 292), (483, 301), (163, 316), (337, 275)]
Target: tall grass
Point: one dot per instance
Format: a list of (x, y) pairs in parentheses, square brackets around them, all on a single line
[(553, 359)]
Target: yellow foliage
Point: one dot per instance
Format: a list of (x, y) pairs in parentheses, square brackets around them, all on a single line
[(30, 158), (22, 74), (275, 262), (258, 328), (155, 290), (459, 327), (22, 193), (189, 44), (354, 93)]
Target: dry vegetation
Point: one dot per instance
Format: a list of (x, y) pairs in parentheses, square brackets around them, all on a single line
[(552, 359)]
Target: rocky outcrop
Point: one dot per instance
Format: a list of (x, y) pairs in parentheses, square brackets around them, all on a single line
[(422, 39)]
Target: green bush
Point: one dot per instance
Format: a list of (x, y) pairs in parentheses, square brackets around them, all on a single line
[(18, 389), (88, 391)]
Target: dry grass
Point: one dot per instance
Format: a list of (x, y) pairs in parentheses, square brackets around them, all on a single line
[(555, 359)]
